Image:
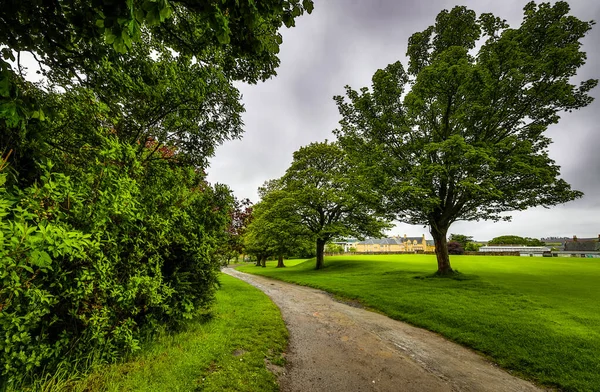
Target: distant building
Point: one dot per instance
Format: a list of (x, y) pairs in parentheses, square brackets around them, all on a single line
[(395, 244), (523, 250), (580, 247), (346, 243)]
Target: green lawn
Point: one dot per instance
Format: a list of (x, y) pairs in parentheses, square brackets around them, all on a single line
[(226, 353), (539, 317)]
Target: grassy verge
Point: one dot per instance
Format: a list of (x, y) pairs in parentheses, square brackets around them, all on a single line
[(536, 316), (225, 353)]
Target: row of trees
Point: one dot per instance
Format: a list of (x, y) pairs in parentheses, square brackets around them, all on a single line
[(108, 227), (315, 201), (457, 135)]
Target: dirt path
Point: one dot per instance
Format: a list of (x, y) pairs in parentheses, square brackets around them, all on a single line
[(336, 347)]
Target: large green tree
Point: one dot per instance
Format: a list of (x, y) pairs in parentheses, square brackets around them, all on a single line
[(323, 191), (460, 134), (164, 69)]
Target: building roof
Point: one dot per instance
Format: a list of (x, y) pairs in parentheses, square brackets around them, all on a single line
[(380, 241), (577, 246)]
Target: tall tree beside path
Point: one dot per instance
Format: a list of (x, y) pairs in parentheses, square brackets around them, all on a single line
[(459, 135), (324, 196)]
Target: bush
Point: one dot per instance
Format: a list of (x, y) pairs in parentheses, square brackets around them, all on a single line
[(454, 248), (473, 247), (93, 257)]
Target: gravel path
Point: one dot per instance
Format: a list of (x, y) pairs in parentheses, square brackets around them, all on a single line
[(337, 347)]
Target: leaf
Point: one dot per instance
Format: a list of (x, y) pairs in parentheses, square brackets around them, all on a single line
[(308, 5), (8, 54), (40, 258)]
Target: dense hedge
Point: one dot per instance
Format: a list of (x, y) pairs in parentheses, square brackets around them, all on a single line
[(92, 257)]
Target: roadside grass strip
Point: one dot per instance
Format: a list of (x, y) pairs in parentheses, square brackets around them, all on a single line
[(537, 317)]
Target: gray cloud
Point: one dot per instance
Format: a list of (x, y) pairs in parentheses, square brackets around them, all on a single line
[(343, 43)]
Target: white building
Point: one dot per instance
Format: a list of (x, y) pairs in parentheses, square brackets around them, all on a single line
[(523, 250)]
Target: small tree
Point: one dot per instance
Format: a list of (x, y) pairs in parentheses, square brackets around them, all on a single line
[(274, 224), (462, 239), (473, 247), (334, 248), (455, 248), (324, 199), (460, 135), (232, 245)]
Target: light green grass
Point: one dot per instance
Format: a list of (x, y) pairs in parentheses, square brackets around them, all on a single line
[(539, 317), (226, 353)]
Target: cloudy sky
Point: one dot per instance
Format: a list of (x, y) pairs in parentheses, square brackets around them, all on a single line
[(343, 42)]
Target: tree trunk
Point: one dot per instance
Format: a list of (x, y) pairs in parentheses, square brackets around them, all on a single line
[(320, 250), (263, 261), (280, 262), (258, 259), (441, 250)]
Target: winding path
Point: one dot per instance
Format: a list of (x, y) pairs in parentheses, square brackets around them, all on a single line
[(337, 347)]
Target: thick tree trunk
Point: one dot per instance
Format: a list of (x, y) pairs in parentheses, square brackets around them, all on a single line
[(280, 262), (441, 250), (320, 251), (258, 259), (263, 261)]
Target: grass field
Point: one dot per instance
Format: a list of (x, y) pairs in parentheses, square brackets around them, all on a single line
[(226, 353), (538, 317)]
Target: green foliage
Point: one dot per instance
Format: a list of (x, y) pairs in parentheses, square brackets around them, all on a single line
[(462, 239), (455, 248), (535, 316), (473, 247), (515, 240), (162, 69), (227, 350), (460, 136), (334, 248), (324, 198), (69, 33), (275, 229), (91, 261)]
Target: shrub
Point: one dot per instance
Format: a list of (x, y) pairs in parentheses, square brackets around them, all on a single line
[(93, 257), (454, 248)]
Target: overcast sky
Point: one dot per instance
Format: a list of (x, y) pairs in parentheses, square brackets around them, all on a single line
[(343, 42)]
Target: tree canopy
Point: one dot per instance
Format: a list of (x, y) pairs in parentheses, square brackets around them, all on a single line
[(162, 70), (515, 240), (462, 239), (459, 134), (275, 228), (323, 194)]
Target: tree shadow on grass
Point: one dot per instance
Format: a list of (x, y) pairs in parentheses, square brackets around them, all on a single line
[(456, 275)]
